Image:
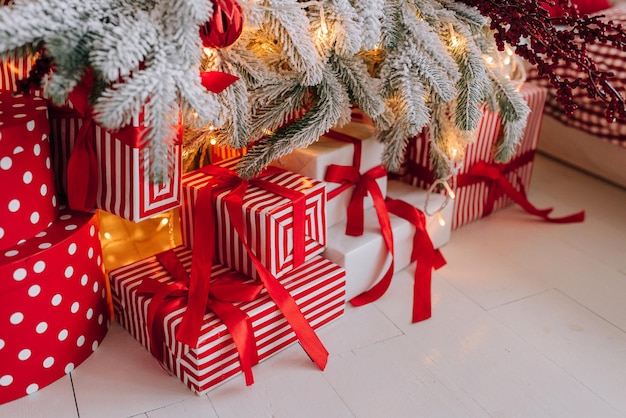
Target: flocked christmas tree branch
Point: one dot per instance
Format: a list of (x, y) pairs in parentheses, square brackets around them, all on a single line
[(408, 64)]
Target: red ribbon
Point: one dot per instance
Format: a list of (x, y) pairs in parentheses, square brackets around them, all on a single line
[(494, 176), (285, 302), (225, 177), (82, 166), (358, 145), (423, 253), (219, 297), (366, 183)]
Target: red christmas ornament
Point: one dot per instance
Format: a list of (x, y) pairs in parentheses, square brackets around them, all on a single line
[(224, 27)]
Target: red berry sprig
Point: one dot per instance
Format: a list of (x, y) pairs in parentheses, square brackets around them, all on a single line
[(548, 42)]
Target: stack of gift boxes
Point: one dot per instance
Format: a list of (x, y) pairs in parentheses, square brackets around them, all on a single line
[(269, 255), (263, 264), (53, 309)]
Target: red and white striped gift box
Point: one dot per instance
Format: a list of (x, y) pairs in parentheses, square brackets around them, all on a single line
[(318, 287), (470, 200), (124, 187), (12, 70), (269, 221), (224, 152)]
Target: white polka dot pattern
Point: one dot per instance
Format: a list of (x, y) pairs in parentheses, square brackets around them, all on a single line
[(26, 208), (49, 304)]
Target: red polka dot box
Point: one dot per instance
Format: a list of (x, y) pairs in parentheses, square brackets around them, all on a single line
[(28, 200), (53, 310)]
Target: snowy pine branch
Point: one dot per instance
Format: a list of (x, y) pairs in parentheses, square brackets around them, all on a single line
[(332, 105)]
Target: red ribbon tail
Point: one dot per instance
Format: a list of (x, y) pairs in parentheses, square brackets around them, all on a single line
[(438, 260), (286, 304), (240, 328), (521, 199), (422, 308), (376, 292), (355, 219)]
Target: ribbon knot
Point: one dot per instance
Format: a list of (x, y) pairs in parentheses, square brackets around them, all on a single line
[(364, 184), (219, 298)]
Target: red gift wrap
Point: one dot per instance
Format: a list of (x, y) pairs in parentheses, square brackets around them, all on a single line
[(282, 230), (53, 308), (28, 201), (113, 167), (318, 287), (224, 152), (483, 186)]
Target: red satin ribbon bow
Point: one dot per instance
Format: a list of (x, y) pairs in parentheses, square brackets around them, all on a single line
[(285, 302), (495, 174), (423, 253), (219, 298), (365, 183)]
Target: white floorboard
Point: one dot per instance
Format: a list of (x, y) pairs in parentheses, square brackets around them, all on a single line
[(529, 320)]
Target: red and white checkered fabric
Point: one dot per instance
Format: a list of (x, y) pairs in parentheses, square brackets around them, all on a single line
[(589, 117)]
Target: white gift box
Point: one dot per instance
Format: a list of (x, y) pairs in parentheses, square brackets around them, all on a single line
[(365, 258), (314, 160)]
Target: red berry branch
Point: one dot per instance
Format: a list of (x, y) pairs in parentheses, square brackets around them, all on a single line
[(550, 42)]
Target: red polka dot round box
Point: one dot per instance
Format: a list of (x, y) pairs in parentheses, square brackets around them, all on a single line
[(28, 200), (53, 309)]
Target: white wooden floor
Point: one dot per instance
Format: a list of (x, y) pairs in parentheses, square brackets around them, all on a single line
[(529, 321)]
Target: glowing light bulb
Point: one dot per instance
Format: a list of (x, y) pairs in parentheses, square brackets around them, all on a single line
[(440, 219), (455, 152), (107, 235), (213, 142), (164, 221)]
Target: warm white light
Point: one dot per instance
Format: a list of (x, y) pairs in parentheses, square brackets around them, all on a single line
[(454, 152), (440, 219), (213, 142), (164, 221), (107, 235)]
